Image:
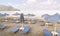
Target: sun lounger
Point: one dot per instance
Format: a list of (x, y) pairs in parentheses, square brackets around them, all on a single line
[(46, 32), (33, 22), (58, 31), (26, 29), (54, 33), (42, 24), (15, 29), (17, 21), (50, 24), (26, 22), (2, 20), (2, 26)]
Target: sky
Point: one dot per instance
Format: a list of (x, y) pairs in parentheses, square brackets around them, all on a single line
[(34, 6)]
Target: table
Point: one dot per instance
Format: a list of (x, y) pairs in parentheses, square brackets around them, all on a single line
[(22, 28), (54, 33)]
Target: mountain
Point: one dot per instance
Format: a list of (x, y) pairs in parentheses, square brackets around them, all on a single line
[(8, 8), (46, 16), (55, 17)]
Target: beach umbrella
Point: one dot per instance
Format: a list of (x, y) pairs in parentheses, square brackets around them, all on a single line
[(16, 14), (30, 15), (6, 14), (1, 14)]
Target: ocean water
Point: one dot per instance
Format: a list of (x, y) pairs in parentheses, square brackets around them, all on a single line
[(36, 12)]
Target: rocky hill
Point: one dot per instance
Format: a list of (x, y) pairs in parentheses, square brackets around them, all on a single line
[(55, 17), (8, 8)]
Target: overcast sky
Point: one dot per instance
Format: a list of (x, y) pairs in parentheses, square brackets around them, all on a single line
[(34, 6)]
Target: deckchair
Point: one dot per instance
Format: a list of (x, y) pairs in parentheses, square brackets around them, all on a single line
[(58, 31), (14, 30), (2, 27), (49, 23), (46, 32), (26, 29), (33, 22), (42, 24)]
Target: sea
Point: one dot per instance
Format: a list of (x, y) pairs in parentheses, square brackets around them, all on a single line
[(37, 13)]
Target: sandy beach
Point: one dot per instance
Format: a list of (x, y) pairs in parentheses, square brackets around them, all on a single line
[(36, 29)]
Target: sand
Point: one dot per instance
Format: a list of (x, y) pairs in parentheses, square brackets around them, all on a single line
[(36, 29)]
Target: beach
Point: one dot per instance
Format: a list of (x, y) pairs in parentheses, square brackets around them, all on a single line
[(35, 29)]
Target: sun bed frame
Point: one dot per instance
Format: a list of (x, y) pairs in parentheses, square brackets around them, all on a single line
[(2, 27), (42, 24), (26, 29), (14, 30), (58, 31), (46, 32)]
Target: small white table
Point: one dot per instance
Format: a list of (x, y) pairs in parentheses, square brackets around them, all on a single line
[(22, 28), (54, 33), (17, 21)]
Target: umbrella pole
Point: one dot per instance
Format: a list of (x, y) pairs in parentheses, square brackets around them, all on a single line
[(22, 24), (55, 27), (29, 19), (47, 25)]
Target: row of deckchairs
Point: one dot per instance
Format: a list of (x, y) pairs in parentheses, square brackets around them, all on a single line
[(33, 22), (58, 31), (14, 30), (25, 30), (48, 33), (3, 27), (43, 24)]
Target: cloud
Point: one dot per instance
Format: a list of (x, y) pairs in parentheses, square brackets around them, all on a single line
[(31, 1), (36, 4)]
